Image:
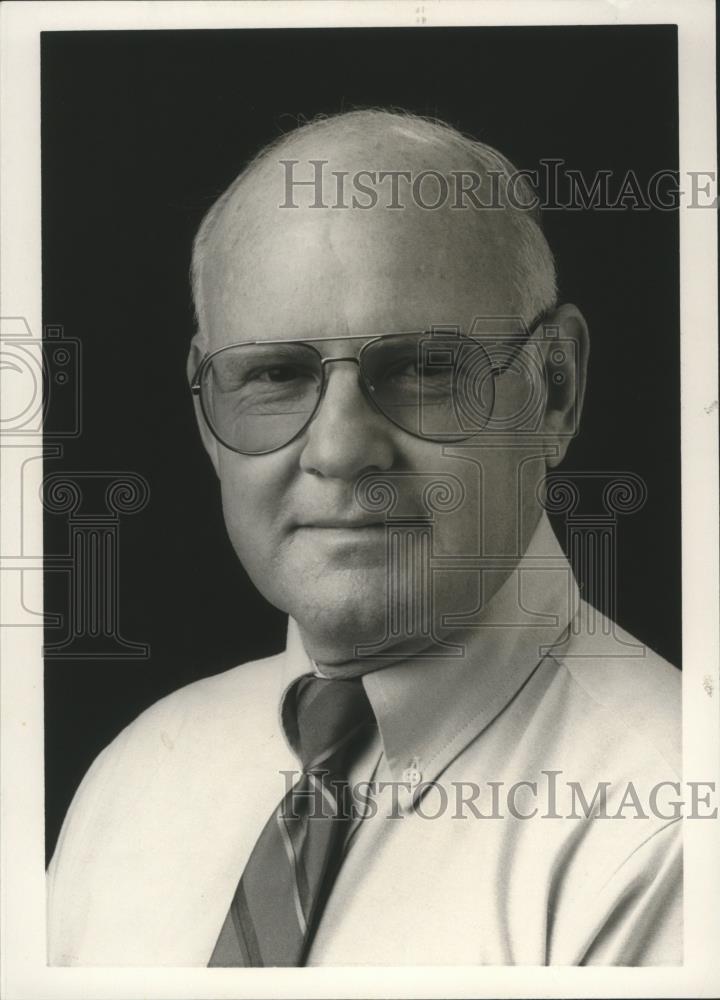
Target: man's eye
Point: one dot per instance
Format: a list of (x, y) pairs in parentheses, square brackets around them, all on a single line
[(404, 369), (278, 375), (416, 371)]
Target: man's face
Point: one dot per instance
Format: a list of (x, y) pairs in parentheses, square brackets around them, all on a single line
[(292, 515)]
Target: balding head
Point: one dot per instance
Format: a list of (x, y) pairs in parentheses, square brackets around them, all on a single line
[(373, 179), (333, 265)]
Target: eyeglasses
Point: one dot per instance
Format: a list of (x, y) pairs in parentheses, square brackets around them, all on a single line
[(259, 396)]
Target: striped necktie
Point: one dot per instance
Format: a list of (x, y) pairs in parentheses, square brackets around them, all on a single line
[(280, 897)]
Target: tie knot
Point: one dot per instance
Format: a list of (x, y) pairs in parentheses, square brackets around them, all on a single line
[(331, 717)]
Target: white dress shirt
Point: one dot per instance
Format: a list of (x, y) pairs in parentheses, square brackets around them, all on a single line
[(443, 869)]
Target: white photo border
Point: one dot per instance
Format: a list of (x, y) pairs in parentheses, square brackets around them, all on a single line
[(25, 973)]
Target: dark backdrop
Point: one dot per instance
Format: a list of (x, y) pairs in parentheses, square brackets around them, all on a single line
[(142, 130)]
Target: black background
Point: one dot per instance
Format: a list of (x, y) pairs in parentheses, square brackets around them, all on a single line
[(142, 130)]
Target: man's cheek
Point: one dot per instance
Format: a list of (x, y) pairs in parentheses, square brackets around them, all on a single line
[(458, 532), (250, 528)]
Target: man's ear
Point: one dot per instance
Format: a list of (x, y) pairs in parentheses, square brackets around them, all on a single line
[(198, 349), (566, 346)]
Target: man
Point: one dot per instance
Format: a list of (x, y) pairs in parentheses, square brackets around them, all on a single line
[(383, 377)]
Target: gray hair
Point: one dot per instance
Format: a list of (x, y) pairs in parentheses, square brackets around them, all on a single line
[(533, 272)]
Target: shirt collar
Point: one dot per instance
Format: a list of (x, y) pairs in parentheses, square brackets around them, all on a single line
[(429, 710)]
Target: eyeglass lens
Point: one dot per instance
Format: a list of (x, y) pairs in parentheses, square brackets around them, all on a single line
[(258, 397)]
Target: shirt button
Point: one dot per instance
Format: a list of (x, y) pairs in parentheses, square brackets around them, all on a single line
[(412, 775)]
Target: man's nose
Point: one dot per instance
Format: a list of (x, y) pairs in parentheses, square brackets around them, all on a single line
[(347, 435)]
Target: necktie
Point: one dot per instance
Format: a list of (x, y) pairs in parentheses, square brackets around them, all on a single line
[(278, 902)]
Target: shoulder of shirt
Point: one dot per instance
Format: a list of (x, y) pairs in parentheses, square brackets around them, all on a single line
[(634, 687), (215, 700), (192, 727), (178, 757), (200, 717)]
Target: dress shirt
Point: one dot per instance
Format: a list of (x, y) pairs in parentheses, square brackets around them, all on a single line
[(443, 868)]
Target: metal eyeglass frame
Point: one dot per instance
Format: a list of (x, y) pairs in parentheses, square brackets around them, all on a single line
[(196, 386)]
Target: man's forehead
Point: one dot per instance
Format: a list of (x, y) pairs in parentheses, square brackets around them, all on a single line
[(410, 238), (375, 176), (266, 235), (353, 277), (306, 246)]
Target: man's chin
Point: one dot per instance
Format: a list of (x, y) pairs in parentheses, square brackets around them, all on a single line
[(336, 627)]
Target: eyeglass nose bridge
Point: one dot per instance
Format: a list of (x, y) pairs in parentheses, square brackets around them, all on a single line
[(350, 357), (365, 396), (365, 387)]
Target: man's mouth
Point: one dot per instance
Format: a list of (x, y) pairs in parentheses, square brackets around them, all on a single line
[(342, 524)]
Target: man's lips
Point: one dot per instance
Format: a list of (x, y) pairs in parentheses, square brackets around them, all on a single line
[(341, 524)]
